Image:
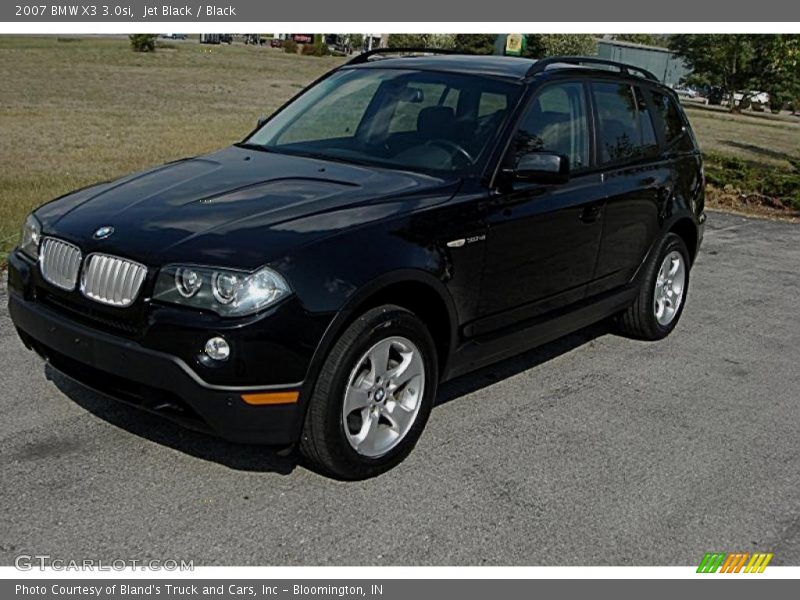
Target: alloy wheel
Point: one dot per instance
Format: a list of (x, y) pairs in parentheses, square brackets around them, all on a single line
[(670, 287), (383, 395)]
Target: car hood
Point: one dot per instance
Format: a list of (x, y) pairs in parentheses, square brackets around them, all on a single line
[(234, 208)]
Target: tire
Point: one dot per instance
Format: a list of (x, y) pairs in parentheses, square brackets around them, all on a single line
[(332, 433), (641, 319)]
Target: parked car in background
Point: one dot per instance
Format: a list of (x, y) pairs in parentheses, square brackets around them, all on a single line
[(686, 92), (216, 38), (403, 221)]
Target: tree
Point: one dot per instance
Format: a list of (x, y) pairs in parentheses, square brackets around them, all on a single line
[(648, 39), (542, 45), (442, 41), (422, 40), (469, 43), (742, 63), (407, 40), (777, 65), (143, 42)]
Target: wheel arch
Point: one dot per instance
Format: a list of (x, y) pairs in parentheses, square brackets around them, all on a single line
[(416, 290), (686, 229)]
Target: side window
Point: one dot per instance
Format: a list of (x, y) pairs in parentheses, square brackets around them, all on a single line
[(625, 125), (555, 121), (673, 124)]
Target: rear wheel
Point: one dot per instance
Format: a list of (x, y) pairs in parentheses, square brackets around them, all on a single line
[(373, 395), (662, 295)]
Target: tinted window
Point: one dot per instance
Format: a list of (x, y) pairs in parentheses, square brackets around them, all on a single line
[(673, 124), (333, 116), (556, 122), (417, 120), (491, 103), (649, 142), (407, 111), (625, 125)]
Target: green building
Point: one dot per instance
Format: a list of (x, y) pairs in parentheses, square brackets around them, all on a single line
[(662, 62)]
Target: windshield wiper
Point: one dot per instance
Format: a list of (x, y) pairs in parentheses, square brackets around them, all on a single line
[(348, 160), (252, 146)]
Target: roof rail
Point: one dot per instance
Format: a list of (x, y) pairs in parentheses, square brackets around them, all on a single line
[(541, 65), (364, 57)]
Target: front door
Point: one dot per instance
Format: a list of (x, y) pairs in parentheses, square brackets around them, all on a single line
[(543, 239)]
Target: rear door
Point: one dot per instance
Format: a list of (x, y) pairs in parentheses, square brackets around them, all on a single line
[(680, 150), (637, 180)]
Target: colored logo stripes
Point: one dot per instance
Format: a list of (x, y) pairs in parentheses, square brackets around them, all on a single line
[(734, 562)]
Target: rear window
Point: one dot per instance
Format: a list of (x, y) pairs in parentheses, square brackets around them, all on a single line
[(625, 124), (671, 118)]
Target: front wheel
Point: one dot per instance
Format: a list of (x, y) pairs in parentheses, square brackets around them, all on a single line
[(662, 295), (373, 395)]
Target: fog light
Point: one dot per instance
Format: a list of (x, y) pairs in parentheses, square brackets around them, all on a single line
[(217, 349)]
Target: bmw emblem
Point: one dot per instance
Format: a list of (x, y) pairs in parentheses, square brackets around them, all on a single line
[(103, 232)]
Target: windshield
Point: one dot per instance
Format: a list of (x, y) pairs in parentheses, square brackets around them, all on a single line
[(413, 120)]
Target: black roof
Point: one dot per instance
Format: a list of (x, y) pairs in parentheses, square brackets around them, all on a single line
[(508, 67)]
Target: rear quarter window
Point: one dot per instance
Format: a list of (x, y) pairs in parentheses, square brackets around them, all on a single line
[(670, 116)]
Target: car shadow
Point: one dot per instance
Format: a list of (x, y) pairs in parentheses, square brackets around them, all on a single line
[(758, 150), (486, 376), (247, 457), (240, 457)]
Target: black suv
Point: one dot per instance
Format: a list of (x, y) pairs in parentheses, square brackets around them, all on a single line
[(406, 219)]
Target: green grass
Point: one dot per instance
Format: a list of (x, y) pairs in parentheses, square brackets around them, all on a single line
[(757, 138), (76, 110), (89, 109)]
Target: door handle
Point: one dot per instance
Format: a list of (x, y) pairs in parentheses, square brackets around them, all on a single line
[(591, 213)]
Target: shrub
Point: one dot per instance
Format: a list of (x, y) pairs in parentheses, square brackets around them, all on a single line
[(730, 172), (318, 48), (290, 46), (143, 42)]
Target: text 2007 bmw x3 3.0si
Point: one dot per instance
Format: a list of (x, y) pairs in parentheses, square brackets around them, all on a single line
[(404, 220)]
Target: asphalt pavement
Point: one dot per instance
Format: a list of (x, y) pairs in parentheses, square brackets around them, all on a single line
[(593, 450)]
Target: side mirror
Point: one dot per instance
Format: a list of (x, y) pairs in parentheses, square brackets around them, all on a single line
[(261, 121), (542, 167)]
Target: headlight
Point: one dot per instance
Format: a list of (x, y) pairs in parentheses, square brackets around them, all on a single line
[(227, 293), (31, 236)]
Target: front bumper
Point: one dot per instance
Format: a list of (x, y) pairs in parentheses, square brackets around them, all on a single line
[(153, 380)]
